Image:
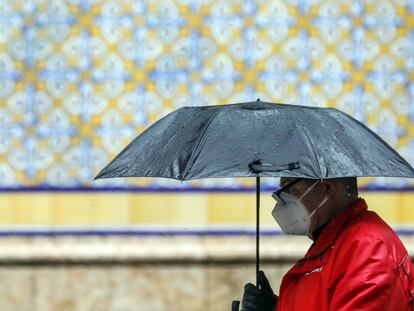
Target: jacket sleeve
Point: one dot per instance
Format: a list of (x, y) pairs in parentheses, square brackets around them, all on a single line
[(363, 277)]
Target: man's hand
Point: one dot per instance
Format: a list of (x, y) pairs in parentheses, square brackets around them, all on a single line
[(259, 298)]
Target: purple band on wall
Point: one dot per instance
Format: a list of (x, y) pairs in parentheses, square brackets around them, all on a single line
[(170, 190), (159, 233)]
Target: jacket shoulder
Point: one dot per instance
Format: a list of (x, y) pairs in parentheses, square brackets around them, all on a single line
[(369, 225)]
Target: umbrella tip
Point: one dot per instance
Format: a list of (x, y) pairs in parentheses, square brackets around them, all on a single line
[(99, 176)]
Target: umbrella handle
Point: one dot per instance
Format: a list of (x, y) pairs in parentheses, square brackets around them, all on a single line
[(235, 305)]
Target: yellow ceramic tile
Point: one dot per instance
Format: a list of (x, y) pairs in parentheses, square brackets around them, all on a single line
[(151, 208), (32, 208), (110, 209), (267, 203), (7, 209), (232, 208), (190, 209), (386, 204), (72, 209), (407, 208)]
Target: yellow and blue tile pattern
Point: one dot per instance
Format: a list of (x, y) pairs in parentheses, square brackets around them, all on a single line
[(80, 78)]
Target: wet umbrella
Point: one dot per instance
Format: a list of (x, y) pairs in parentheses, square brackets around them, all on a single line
[(257, 139)]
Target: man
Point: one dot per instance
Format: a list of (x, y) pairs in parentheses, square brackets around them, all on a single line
[(356, 262)]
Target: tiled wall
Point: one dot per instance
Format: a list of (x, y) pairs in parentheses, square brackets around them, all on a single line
[(80, 79)]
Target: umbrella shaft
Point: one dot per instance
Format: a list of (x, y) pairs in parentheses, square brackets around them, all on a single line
[(257, 226)]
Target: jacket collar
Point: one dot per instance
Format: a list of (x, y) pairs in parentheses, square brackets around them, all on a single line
[(334, 227)]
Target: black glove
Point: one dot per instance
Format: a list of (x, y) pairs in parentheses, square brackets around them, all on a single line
[(259, 298)]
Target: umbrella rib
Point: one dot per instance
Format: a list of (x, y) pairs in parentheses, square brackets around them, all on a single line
[(313, 148), (187, 168), (155, 159), (397, 155)]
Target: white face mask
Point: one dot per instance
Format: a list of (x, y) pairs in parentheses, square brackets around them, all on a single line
[(293, 217)]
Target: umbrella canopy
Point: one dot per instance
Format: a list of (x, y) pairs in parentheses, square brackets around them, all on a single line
[(257, 139)]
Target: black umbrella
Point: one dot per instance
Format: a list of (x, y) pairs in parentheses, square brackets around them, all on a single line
[(257, 139)]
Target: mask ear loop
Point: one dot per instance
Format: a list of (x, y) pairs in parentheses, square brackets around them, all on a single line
[(309, 189), (319, 206), (316, 209)]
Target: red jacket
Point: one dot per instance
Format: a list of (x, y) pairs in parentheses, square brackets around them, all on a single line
[(357, 263)]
